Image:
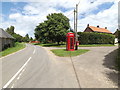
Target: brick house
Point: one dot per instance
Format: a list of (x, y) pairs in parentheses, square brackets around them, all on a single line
[(6, 40), (97, 29)]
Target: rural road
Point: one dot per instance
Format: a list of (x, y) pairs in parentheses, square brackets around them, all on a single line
[(37, 67)]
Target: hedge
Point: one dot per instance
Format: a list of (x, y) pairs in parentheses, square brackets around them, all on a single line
[(95, 38)]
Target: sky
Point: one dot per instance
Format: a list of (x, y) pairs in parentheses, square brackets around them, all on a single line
[(25, 15)]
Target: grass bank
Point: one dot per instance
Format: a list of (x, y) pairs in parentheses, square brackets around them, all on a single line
[(18, 46), (64, 53)]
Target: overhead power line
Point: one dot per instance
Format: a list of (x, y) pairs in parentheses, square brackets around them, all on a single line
[(70, 13)]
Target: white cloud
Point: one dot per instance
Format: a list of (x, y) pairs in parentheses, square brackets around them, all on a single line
[(34, 13), (15, 16), (107, 18)]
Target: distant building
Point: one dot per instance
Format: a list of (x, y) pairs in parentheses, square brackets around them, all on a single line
[(6, 40), (34, 42), (97, 29), (116, 35)]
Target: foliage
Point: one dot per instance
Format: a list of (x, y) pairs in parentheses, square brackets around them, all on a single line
[(26, 38), (31, 39), (95, 38), (54, 29), (119, 37), (10, 30), (17, 47), (64, 53), (18, 37)]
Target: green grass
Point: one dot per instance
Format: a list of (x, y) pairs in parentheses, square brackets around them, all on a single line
[(18, 46), (64, 45), (52, 45), (96, 45), (64, 53)]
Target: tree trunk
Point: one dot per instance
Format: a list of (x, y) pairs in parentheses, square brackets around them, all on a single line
[(58, 42)]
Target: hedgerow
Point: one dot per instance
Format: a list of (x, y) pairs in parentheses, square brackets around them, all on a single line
[(95, 38)]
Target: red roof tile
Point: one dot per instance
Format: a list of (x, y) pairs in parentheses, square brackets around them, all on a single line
[(96, 29)]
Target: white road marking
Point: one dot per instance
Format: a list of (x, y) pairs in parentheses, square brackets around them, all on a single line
[(18, 78), (34, 50), (12, 86), (23, 70), (6, 85), (20, 74)]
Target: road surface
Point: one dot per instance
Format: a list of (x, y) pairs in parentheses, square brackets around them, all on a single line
[(37, 67), (39, 72)]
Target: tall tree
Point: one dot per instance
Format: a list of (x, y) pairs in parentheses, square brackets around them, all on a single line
[(31, 39), (10, 30), (54, 28), (26, 38)]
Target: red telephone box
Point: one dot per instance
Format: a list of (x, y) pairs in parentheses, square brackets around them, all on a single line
[(70, 39)]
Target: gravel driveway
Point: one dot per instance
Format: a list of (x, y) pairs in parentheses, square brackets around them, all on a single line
[(95, 69)]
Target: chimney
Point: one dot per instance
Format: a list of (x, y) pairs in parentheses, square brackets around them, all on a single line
[(97, 26), (105, 27), (88, 25)]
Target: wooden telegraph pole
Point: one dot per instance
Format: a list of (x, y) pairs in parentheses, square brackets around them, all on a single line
[(74, 21), (76, 36)]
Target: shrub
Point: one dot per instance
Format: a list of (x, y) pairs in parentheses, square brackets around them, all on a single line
[(95, 38)]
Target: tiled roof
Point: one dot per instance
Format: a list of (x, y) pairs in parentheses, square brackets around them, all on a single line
[(4, 34), (98, 29)]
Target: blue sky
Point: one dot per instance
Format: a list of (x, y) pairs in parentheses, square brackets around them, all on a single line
[(12, 7), (14, 12), (103, 7)]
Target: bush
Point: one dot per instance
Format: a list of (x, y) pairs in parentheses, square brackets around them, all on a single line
[(118, 59), (95, 38)]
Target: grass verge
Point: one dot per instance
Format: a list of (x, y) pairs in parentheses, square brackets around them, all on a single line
[(18, 46), (64, 53), (51, 45), (64, 45), (96, 45)]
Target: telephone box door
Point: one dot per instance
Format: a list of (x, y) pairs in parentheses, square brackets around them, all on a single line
[(70, 41)]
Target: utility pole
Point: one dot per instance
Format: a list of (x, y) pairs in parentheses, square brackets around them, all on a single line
[(74, 21), (76, 36)]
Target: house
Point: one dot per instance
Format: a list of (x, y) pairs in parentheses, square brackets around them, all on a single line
[(97, 29), (117, 32), (6, 40)]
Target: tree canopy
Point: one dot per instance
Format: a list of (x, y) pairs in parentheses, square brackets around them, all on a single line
[(18, 37), (53, 29)]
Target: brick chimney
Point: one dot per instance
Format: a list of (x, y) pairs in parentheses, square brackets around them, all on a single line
[(87, 25), (97, 26), (105, 27)]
